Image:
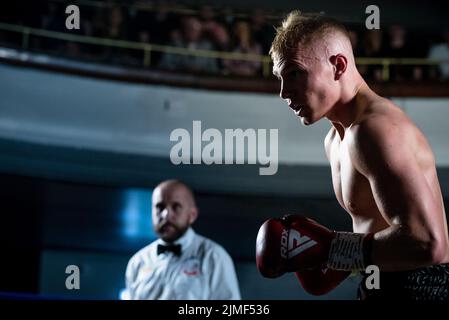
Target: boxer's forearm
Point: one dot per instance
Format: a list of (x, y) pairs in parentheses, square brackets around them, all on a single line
[(399, 248)]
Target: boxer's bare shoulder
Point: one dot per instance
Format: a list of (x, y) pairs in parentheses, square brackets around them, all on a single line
[(383, 148), (384, 135), (382, 132)]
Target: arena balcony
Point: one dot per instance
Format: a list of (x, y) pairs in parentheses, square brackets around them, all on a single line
[(134, 62)]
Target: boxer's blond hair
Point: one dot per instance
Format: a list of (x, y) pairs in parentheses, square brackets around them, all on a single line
[(299, 30)]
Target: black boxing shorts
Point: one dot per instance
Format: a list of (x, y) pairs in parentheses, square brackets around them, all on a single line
[(424, 284)]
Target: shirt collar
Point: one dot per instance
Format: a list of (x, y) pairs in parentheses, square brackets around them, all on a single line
[(184, 240)]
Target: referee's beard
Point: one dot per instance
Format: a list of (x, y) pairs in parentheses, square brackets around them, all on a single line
[(170, 232)]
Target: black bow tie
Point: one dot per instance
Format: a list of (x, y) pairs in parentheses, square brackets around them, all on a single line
[(175, 248)]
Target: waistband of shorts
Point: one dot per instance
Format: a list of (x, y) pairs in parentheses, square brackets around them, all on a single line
[(440, 271)]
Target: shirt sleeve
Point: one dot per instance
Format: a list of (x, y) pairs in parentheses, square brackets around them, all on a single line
[(223, 279), (128, 293)]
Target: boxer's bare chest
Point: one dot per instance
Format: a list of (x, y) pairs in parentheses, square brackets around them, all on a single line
[(352, 189)]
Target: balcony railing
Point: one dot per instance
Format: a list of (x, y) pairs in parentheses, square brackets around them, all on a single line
[(149, 48)]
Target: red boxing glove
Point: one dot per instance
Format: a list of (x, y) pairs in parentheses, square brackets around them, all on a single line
[(296, 243), (292, 243), (319, 281)]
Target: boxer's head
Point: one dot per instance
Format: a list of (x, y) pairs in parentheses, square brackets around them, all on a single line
[(313, 58), (173, 209)]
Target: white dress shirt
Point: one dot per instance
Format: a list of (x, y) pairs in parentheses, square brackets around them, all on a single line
[(203, 271)]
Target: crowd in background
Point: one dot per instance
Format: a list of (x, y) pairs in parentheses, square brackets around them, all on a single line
[(210, 28)]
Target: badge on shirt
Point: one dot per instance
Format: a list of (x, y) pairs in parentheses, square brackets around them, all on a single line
[(191, 267)]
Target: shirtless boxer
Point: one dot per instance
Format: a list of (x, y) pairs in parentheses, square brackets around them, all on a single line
[(383, 174)]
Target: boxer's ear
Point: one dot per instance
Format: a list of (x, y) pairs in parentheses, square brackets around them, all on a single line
[(340, 63)]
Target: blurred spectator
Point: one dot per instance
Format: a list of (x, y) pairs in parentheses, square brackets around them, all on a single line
[(116, 24), (398, 47), (372, 48), (75, 50), (191, 37), (115, 29), (397, 42), (212, 29), (262, 32), (155, 27), (441, 52), (139, 31), (227, 17), (243, 42), (98, 27), (161, 23), (53, 20), (139, 25)]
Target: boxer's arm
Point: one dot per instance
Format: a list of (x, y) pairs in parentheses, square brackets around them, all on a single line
[(382, 151)]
